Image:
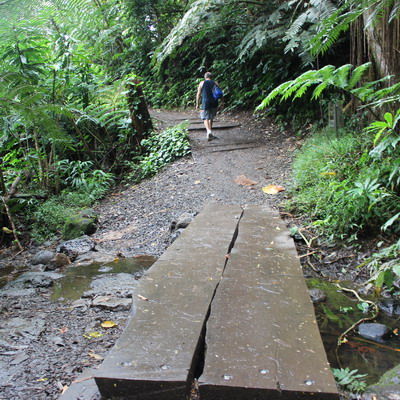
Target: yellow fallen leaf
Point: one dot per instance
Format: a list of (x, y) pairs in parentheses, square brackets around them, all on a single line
[(108, 324), (42, 380), (92, 335), (272, 189), (6, 230)]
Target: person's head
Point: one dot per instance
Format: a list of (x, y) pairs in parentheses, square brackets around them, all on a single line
[(208, 75)]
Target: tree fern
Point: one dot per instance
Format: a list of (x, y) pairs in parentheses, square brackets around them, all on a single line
[(199, 13), (326, 77), (331, 27)]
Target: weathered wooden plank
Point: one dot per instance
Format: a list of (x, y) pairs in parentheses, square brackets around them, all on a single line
[(262, 339), (156, 355)]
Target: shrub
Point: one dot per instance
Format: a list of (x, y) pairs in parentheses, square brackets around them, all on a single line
[(161, 149), (339, 186)]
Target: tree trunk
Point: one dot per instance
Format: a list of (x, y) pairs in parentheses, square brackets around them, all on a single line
[(139, 113), (383, 43)]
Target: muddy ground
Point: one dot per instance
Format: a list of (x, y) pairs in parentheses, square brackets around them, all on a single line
[(46, 344)]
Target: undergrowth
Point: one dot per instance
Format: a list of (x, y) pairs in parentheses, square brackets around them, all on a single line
[(340, 186), (160, 149)]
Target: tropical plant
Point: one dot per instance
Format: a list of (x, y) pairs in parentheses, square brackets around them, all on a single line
[(161, 149), (350, 380)]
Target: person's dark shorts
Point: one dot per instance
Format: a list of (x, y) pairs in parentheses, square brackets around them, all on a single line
[(208, 114)]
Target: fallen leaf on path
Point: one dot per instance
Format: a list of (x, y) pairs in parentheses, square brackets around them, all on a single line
[(142, 297), (243, 181), (63, 329), (92, 335), (197, 182), (95, 356), (272, 189), (108, 324)]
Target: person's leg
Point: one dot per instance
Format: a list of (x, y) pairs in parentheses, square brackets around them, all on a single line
[(207, 125)]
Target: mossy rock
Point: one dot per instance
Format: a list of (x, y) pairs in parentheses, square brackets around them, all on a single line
[(85, 223), (388, 387)]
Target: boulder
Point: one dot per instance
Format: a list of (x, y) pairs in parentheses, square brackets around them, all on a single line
[(183, 221), (76, 247), (42, 257), (118, 285), (317, 295), (85, 223), (374, 331), (390, 307), (33, 280), (388, 387)]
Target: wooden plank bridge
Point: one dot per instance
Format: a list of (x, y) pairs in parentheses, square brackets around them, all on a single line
[(226, 305)]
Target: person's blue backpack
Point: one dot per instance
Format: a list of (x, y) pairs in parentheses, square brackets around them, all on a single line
[(217, 93)]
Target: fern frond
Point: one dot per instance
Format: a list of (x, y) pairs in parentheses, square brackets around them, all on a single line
[(319, 89), (341, 75), (358, 74), (191, 22)]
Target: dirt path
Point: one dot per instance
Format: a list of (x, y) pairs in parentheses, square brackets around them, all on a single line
[(137, 220), (44, 344)]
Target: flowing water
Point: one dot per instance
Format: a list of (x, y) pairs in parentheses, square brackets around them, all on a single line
[(336, 315)]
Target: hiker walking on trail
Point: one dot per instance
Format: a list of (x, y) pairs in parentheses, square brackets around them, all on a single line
[(209, 104)]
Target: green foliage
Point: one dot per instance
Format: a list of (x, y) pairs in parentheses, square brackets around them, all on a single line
[(332, 26), (81, 176), (340, 187), (50, 217), (161, 149), (349, 379), (342, 78), (384, 266)]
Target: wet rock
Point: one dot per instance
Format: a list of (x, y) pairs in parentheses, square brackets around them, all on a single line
[(34, 280), (42, 257), (118, 285), (16, 328), (76, 247), (80, 303), (112, 303), (17, 292), (60, 260), (317, 295), (94, 257), (374, 331), (390, 307), (388, 387)]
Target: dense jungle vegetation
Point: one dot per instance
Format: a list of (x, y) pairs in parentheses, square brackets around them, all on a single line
[(76, 77)]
